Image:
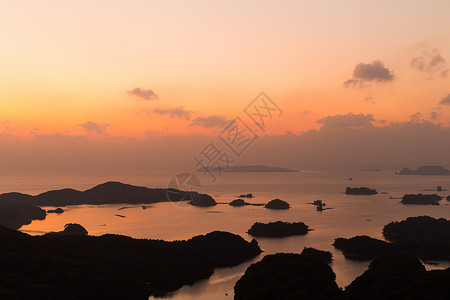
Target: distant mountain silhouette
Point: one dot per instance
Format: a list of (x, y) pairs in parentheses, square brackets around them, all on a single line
[(425, 170), (15, 198), (254, 168)]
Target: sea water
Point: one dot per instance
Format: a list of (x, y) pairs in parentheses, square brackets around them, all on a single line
[(346, 216)]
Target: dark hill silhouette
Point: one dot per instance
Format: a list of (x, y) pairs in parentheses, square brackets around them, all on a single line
[(111, 266), (400, 277), (60, 197), (367, 248), (313, 253), (423, 237), (71, 229), (288, 276), (106, 193), (15, 216), (116, 192), (307, 276), (15, 198), (417, 229)]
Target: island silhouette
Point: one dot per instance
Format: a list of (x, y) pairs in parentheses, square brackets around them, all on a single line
[(425, 170), (424, 237), (18, 209), (396, 271)]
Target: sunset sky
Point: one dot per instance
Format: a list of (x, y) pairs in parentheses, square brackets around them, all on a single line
[(118, 72)]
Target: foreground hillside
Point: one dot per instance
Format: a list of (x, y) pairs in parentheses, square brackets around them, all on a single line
[(110, 266)]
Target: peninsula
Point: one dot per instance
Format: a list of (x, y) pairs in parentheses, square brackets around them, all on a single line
[(17, 209)]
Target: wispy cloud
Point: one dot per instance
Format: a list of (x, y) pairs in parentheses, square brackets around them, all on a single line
[(416, 118), (434, 115), (95, 127), (143, 94), (430, 62), (156, 132), (5, 128), (5, 125), (369, 99), (445, 100), (178, 112), (210, 121), (349, 120)]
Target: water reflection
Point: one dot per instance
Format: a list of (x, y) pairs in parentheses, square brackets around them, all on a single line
[(350, 216)]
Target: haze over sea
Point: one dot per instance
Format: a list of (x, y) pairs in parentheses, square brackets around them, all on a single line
[(350, 215)]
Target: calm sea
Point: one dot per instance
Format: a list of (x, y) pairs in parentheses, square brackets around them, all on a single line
[(349, 216)]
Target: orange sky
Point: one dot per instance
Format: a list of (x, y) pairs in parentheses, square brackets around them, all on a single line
[(66, 63)]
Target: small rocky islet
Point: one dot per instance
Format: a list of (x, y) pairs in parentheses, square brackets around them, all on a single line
[(277, 204), (421, 199), (241, 202), (360, 191), (278, 229), (58, 210)]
